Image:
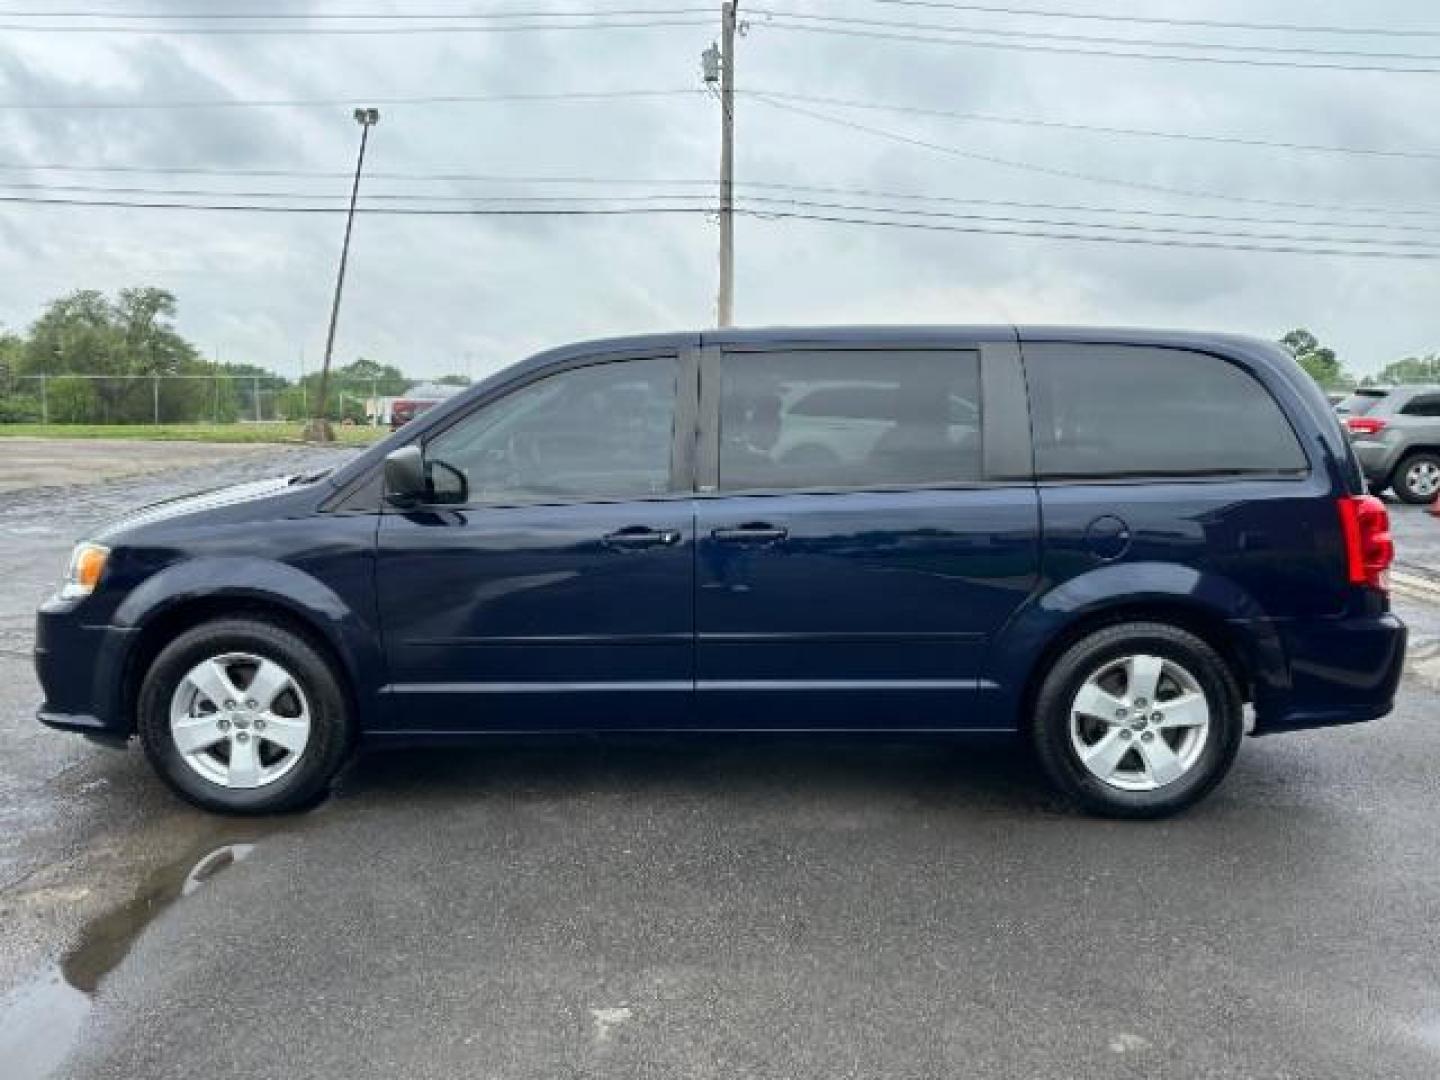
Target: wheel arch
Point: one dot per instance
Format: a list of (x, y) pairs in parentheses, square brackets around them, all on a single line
[(1212, 609), (1195, 619), (1410, 451), (207, 590)]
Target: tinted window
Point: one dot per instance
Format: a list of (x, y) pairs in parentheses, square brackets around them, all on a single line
[(598, 432), (1101, 410), (1360, 402), (1423, 405), (843, 419)]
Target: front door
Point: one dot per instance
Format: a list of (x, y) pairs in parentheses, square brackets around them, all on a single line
[(855, 552), (549, 582)]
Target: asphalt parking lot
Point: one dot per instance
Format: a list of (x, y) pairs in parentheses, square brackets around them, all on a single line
[(719, 908)]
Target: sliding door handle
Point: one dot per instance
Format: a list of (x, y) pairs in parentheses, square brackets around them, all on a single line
[(634, 537), (755, 532)]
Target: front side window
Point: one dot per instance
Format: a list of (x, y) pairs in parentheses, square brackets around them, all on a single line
[(590, 434), (847, 419), (1118, 410)]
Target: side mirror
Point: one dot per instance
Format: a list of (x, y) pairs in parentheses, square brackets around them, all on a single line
[(405, 476)]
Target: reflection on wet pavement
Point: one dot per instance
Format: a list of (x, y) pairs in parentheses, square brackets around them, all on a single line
[(79, 826), (42, 1020)]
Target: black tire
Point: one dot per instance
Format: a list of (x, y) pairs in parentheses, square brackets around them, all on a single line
[(1377, 488), (330, 733), (1049, 727), (1403, 480)]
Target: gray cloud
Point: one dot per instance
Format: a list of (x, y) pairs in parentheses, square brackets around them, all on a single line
[(436, 294)]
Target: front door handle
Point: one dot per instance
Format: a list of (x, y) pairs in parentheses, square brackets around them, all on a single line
[(633, 537), (755, 532)]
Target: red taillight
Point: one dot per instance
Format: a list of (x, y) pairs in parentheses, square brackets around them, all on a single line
[(1365, 425), (1369, 551)]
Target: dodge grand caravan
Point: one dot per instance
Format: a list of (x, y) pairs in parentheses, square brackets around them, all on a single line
[(1111, 542)]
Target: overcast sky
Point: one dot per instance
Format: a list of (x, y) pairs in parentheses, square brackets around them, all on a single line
[(440, 294)]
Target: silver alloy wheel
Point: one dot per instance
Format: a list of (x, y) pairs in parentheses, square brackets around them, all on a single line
[(1423, 478), (240, 720), (1139, 723)]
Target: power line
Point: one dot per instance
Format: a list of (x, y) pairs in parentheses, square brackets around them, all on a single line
[(1142, 212), (320, 174), (979, 225), (1090, 39), (425, 99), (1134, 240), (1155, 20), (422, 197), (676, 17), (624, 181), (1073, 174), (1038, 46), (586, 180), (864, 193), (1121, 227), (1151, 133), (341, 16), (598, 23), (781, 95), (411, 211), (932, 5)]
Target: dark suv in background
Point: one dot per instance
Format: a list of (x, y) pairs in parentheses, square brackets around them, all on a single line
[(1107, 541), (1396, 434)]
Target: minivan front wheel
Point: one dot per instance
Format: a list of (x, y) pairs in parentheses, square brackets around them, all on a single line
[(1417, 479), (243, 715), (1138, 720)]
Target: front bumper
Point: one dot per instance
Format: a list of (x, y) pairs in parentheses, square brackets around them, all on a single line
[(81, 671), (1336, 671)]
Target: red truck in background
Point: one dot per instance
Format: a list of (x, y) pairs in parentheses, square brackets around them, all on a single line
[(416, 400)]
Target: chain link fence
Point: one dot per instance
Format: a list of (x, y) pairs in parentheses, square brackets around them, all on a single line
[(182, 399)]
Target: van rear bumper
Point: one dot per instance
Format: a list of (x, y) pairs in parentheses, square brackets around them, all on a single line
[(1341, 671)]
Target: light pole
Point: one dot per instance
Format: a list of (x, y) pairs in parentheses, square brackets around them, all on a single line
[(319, 430)]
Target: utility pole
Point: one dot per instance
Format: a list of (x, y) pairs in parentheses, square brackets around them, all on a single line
[(721, 64), (319, 430)]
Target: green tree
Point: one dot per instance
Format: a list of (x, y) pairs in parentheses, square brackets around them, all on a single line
[(1412, 369), (1319, 362), (19, 397), (351, 386), (452, 380), (71, 400), (87, 334)]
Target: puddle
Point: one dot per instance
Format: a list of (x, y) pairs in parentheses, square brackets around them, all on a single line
[(41, 1022), (106, 941)]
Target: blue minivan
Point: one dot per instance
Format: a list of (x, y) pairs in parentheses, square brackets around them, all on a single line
[(1111, 542)]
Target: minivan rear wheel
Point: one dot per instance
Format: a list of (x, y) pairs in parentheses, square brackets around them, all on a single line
[(1417, 479), (1137, 720), (244, 716)]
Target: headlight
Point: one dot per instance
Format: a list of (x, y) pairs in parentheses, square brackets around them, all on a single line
[(87, 563)]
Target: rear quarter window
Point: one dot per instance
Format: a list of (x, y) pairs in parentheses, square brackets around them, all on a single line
[(1422, 405), (1133, 411), (1360, 402)]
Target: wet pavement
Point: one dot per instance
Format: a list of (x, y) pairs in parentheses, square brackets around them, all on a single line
[(646, 907), (1417, 536), (81, 827)]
